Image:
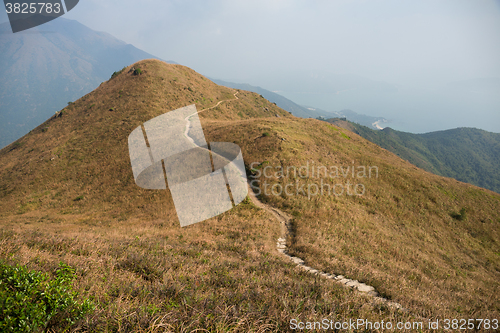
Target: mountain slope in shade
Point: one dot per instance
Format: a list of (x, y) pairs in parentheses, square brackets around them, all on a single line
[(67, 193), (48, 66), (467, 154)]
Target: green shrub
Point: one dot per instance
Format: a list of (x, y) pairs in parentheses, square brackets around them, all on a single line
[(462, 216), (78, 198), (16, 145), (137, 71), (32, 302), (115, 74), (266, 134)]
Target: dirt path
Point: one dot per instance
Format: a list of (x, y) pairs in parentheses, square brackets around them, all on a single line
[(188, 122), (225, 100), (286, 234)]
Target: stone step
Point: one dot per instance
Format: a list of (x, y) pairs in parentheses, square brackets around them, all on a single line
[(365, 288), (352, 283), (298, 261)]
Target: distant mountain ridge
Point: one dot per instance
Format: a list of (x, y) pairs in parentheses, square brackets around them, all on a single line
[(46, 67), (467, 154), (282, 102), (302, 111), (368, 121)]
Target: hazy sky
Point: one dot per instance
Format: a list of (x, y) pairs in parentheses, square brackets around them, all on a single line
[(395, 41), (421, 43)]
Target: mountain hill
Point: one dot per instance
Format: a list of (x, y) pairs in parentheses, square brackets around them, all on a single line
[(48, 66), (67, 193), (467, 154)]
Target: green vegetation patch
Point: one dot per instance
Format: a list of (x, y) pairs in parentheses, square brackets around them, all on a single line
[(466, 154), (30, 301), (345, 136), (332, 128), (78, 198), (115, 74), (461, 216)]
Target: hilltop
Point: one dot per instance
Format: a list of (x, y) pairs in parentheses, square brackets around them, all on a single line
[(78, 143), (467, 154), (67, 193)]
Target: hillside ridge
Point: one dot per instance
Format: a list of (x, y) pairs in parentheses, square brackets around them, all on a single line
[(67, 193), (467, 154)]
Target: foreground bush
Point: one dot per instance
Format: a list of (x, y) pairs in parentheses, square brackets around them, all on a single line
[(30, 301)]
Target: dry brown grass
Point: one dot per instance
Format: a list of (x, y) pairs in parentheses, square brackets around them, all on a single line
[(86, 149), (67, 194), (400, 236), (222, 275)]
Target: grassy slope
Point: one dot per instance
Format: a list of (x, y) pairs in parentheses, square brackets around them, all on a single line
[(67, 193), (87, 147), (466, 154), (399, 236)]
